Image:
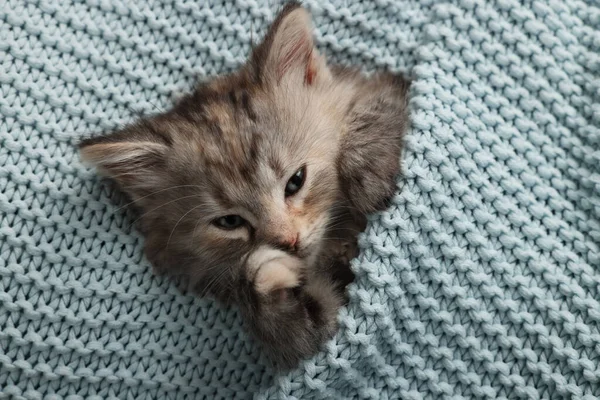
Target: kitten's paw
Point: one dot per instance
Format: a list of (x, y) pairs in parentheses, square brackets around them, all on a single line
[(278, 274), (291, 311), (274, 271), (294, 323)]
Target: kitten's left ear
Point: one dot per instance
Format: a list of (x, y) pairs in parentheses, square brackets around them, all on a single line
[(133, 156), (288, 50)]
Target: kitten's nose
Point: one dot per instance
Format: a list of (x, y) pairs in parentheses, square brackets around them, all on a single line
[(289, 243)]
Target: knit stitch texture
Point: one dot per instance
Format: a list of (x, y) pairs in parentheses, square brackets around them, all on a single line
[(482, 280)]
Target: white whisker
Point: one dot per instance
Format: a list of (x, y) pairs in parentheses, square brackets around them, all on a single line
[(162, 205), (180, 219)]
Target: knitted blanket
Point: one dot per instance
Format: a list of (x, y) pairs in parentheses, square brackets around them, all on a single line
[(482, 280)]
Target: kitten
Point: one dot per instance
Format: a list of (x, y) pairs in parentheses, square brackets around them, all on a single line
[(254, 187)]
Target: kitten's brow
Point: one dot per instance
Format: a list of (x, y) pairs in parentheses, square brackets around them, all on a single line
[(276, 166)]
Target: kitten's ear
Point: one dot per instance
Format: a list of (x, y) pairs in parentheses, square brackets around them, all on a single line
[(370, 150), (288, 50), (132, 156)]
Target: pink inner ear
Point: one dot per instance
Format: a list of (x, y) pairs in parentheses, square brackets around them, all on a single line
[(311, 70), (301, 51)]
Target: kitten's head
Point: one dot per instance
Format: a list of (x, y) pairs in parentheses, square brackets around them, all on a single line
[(247, 159)]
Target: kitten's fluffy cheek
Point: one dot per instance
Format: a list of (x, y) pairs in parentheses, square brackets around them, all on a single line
[(311, 237)]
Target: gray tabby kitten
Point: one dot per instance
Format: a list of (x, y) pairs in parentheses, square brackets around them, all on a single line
[(254, 187)]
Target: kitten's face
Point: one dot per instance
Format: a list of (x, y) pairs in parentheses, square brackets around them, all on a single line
[(238, 183), (246, 160), (263, 162)]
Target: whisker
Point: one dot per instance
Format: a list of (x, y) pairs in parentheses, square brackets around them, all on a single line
[(340, 227), (152, 194), (336, 225), (175, 227), (336, 239), (214, 281), (162, 205)]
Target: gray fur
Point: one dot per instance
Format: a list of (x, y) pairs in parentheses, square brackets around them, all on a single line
[(229, 147)]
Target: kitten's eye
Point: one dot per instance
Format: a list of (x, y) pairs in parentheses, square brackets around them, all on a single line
[(229, 222), (295, 183)]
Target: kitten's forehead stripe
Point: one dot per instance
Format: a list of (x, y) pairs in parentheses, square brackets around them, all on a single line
[(255, 146), (233, 152), (241, 103), (249, 167)]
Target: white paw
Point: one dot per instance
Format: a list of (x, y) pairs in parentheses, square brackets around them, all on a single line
[(274, 270)]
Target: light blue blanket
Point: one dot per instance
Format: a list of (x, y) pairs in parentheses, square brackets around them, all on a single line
[(481, 281)]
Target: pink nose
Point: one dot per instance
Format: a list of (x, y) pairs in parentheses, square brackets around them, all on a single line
[(291, 242)]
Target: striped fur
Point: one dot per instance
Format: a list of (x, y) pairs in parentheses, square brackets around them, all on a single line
[(230, 147)]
